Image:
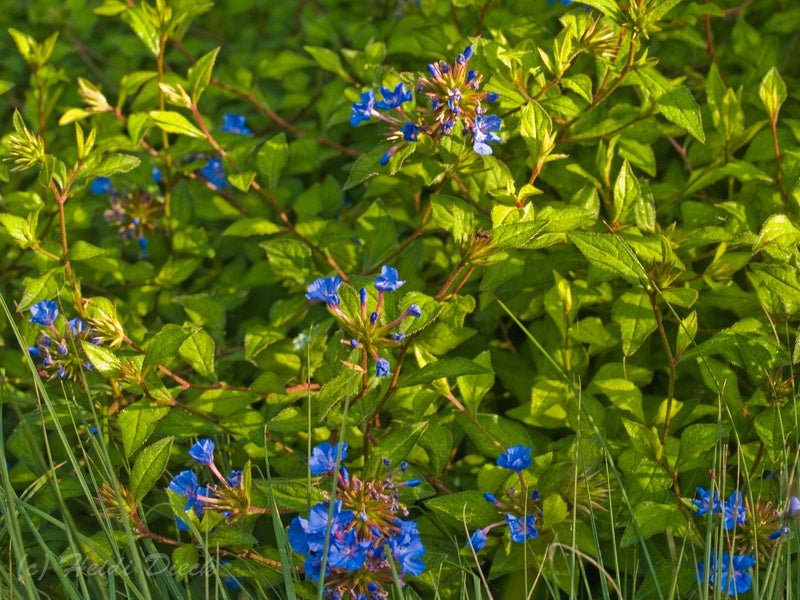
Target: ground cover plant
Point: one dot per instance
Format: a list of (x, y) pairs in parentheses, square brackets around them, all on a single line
[(395, 299)]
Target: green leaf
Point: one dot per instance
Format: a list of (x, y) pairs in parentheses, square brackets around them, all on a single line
[(102, 359), (644, 439), (367, 165), (772, 92), (81, 250), (198, 351), (446, 367), (328, 60), (696, 442), (163, 346), (138, 422), (652, 518), (38, 288), (474, 387), (149, 466), (608, 8), (200, 74), (173, 122), (18, 228), (633, 312), (463, 508), (396, 446), (608, 253), (453, 215), (184, 560), (777, 231), (111, 164), (626, 192), (242, 181), (272, 158), (252, 226), (144, 28), (518, 235), (674, 101)]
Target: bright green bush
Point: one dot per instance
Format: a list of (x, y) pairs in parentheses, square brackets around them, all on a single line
[(444, 233)]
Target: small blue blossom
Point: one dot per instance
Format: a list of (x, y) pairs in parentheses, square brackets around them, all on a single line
[(323, 457), (100, 186), (407, 548), (490, 498), (521, 529), (707, 502), (393, 99), (234, 478), (517, 458), (410, 131), (386, 157), (794, 506), (478, 540), (388, 280), (483, 134), (735, 582), (203, 451), (382, 368), (185, 483), (779, 533), (325, 289), (235, 124), (44, 313), (214, 173), (34, 351), (414, 311), (346, 552), (76, 326), (734, 511), (362, 111), (157, 175)]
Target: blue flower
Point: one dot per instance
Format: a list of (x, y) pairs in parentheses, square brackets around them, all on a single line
[(410, 131), (308, 535), (323, 457), (382, 368), (185, 483), (478, 540), (362, 111), (414, 311), (76, 326), (203, 451), (325, 289), (34, 351), (100, 186), (214, 173), (490, 498), (521, 529), (708, 502), (517, 458), (393, 99), (733, 582), (388, 280), (235, 124), (346, 552), (235, 478), (44, 313), (734, 511), (156, 174), (794, 506), (386, 157), (407, 548), (483, 133)]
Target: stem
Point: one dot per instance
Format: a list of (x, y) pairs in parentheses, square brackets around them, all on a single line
[(773, 124), (61, 200), (671, 364)]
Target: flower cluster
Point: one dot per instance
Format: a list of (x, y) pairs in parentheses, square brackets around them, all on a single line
[(766, 525), (365, 330), (455, 101), (230, 496), (352, 534), (520, 510), (59, 350), (134, 214)]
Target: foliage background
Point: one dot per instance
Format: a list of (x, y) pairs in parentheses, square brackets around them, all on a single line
[(633, 317)]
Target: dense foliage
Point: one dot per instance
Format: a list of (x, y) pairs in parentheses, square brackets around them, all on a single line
[(447, 299)]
